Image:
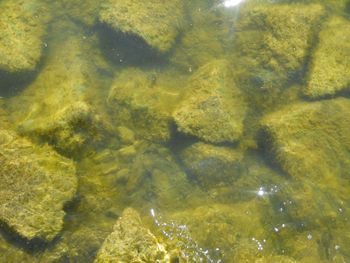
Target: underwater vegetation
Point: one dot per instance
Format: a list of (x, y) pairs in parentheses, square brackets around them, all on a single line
[(175, 131)]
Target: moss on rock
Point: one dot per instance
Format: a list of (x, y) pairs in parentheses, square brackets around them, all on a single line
[(23, 26), (212, 165), (281, 35), (240, 220), (59, 106), (204, 38), (150, 171), (139, 102), (213, 108), (85, 11), (330, 68), (156, 22), (272, 45), (37, 182), (130, 241), (312, 140)]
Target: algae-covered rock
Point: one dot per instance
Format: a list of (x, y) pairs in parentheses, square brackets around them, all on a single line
[(312, 140), (140, 103), (149, 171), (4, 122), (213, 108), (156, 22), (23, 26), (308, 205), (215, 228), (11, 253), (36, 183), (205, 37), (248, 252), (68, 130), (130, 241), (212, 165), (60, 105), (139, 174), (85, 11), (330, 69), (272, 45), (279, 36)]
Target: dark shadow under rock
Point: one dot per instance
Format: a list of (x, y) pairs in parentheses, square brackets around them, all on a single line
[(127, 49), (12, 84)]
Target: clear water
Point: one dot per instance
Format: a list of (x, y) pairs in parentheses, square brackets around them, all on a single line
[(246, 199)]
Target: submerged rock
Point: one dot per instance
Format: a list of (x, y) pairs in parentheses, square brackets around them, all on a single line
[(140, 103), (68, 130), (85, 11), (130, 241), (23, 27), (156, 22), (59, 106), (37, 182), (272, 45), (279, 36), (212, 165), (311, 140), (330, 69), (215, 228), (150, 172), (205, 37), (213, 108)]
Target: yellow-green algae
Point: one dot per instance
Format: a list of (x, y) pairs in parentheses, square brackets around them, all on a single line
[(55, 107), (330, 69), (213, 108), (139, 100), (131, 242), (312, 140), (84, 11), (23, 26), (212, 165), (157, 22), (267, 48), (272, 47), (207, 36), (36, 183)]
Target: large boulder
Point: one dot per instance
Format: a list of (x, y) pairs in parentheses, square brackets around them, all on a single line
[(212, 165), (130, 241), (157, 23), (213, 108), (311, 140), (36, 184), (23, 27), (278, 36), (330, 68), (272, 47), (138, 101)]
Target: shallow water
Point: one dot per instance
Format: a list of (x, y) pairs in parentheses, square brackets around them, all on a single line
[(224, 124)]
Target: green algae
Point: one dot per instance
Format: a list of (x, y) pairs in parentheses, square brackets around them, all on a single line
[(158, 23), (37, 182), (23, 27), (204, 131), (213, 108), (138, 100), (131, 242), (330, 70)]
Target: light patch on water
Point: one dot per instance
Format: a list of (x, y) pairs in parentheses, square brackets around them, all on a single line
[(231, 3), (189, 249)]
